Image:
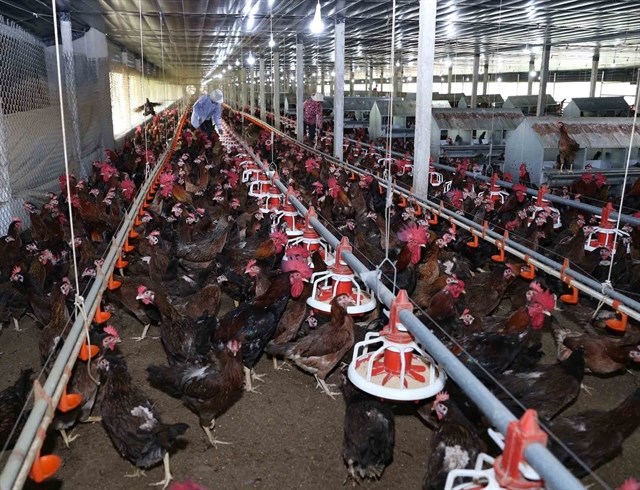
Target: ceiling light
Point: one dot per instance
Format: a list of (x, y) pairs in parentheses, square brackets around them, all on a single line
[(333, 73), (224, 71), (237, 63), (317, 26), (499, 79), (397, 63), (250, 59), (270, 3), (533, 73), (229, 67), (250, 22), (272, 43), (448, 62)]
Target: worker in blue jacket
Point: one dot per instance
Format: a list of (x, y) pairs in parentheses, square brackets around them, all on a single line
[(207, 111)]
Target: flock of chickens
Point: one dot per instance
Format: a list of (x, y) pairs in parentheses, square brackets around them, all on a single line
[(202, 238)]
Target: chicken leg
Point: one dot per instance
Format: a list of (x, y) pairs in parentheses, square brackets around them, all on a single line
[(16, 325), (284, 366), (167, 473), (249, 375), (144, 333), (322, 384), (67, 438), (208, 431)]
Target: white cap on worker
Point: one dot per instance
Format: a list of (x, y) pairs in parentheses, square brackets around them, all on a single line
[(318, 97), (216, 96)]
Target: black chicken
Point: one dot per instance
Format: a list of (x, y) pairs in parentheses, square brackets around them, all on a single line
[(369, 432), (12, 401), (595, 436), (132, 421), (208, 390)]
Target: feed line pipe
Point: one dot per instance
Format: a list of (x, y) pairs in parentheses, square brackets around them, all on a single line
[(599, 291), (33, 434), (555, 475), (587, 208)]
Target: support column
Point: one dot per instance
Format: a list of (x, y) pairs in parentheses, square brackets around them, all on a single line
[(594, 72), (474, 80), (544, 78), (532, 66), (299, 88), (263, 102), (424, 90), (252, 89), (321, 81), (397, 81), (352, 85), (338, 81), (276, 88), (380, 87), (75, 153), (485, 77), (369, 77), (449, 79), (243, 89)]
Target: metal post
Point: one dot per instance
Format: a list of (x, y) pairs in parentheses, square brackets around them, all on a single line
[(594, 72), (276, 88), (338, 100), (602, 83), (544, 78), (424, 89), (252, 89), (485, 77), (449, 78), (474, 80), (299, 88), (124, 57), (70, 85), (532, 67), (321, 81), (381, 88), (351, 81), (243, 88), (263, 102)]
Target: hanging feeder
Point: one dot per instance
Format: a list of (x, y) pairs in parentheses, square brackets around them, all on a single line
[(508, 471), (496, 194), (294, 225), (312, 241), (260, 188), (274, 198), (398, 369), (250, 172), (339, 279), (435, 178), (543, 204), (604, 235)]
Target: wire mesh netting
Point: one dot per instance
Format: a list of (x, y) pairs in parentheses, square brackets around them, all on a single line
[(100, 96)]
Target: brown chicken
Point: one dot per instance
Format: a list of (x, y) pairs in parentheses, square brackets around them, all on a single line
[(484, 291), (130, 297), (12, 402), (603, 355), (443, 304), (567, 148), (208, 389), (205, 301), (320, 351)]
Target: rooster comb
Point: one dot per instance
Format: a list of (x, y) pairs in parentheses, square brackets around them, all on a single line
[(297, 265), (546, 299), (297, 250), (441, 397), (111, 330), (15, 270), (519, 188), (413, 232), (279, 236), (142, 289)]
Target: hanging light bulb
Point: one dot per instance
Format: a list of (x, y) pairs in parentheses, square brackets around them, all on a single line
[(229, 66), (272, 43), (250, 59), (237, 63), (317, 26)]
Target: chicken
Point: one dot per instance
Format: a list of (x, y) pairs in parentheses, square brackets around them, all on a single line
[(320, 351), (369, 432), (206, 249), (127, 297), (595, 436), (254, 322), (415, 237), (132, 421), (443, 304), (548, 388), (84, 381), (54, 332), (208, 389), (12, 403), (290, 322), (148, 108), (567, 148), (455, 444), (603, 355), (205, 301), (484, 291), (183, 338)]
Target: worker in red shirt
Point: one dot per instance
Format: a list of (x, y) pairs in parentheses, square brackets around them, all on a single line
[(312, 115)]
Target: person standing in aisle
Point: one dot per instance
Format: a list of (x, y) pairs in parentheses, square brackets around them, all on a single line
[(312, 115), (207, 111)]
